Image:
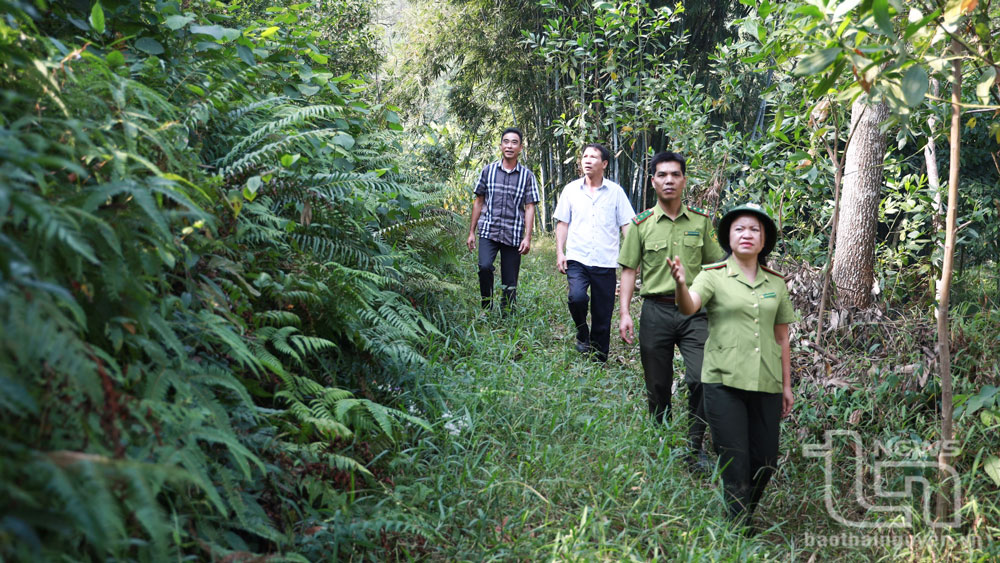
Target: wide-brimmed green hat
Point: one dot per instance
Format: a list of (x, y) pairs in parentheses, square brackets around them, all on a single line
[(770, 230)]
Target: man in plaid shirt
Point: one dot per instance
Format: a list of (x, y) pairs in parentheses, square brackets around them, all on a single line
[(503, 216)]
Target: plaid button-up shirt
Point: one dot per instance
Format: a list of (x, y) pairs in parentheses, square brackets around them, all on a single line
[(506, 194)]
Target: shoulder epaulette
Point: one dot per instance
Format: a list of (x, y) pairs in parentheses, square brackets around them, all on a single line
[(698, 210), (715, 266), (769, 270), (642, 216)]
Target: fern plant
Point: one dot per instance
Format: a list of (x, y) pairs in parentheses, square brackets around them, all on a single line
[(193, 262)]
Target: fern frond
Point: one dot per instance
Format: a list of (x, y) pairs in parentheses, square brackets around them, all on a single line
[(293, 117), (225, 380), (280, 342), (238, 113), (238, 452), (310, 345), (256, 158), (277, 318), (55, 225), (236, 347), (329, 427)]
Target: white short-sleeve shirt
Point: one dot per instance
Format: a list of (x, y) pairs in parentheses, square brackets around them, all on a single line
[(594, 221)]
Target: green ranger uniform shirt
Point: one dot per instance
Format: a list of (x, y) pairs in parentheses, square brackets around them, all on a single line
[(741, 350), (655, 238)]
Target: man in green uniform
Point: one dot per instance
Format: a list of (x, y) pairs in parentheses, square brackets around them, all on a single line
[(669, 228)]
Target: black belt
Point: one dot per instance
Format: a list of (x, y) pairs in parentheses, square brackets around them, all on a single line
[(668, 299)]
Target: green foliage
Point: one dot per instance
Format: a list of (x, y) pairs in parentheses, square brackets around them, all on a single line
[(824, 57), (207, 263), (608, 80)]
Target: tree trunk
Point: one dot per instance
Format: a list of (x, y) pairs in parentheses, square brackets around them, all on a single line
[(930, 158), (615, 176), (944, 339), (832, 150), (934, 180), (544, 176), (854, 252)]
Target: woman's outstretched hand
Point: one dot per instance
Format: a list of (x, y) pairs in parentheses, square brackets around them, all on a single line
[(676, 269)]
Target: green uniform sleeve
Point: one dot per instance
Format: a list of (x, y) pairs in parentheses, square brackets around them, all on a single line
[(786, 312), (704, 286), (631, 250)]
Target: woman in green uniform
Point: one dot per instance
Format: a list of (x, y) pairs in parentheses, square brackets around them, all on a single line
[(746, 373)]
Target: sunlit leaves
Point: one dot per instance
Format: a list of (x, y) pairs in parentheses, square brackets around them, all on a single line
[(824, 85), (992, 467), (880, 8), (216, 31), (817, 61), (918, 23), (176, 22), (253, 184), (115, 58), (986, 81), (914, 85), (97, 18)]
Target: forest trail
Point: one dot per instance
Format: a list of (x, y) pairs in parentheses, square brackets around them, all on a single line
[(550, 455)]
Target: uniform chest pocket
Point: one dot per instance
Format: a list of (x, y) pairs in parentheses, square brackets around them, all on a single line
[(657, 245), (693, 241), (692, 246)]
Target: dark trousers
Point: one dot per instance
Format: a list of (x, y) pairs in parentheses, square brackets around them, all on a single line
[(744, 427), (662, 327), (510, 267), (601, 282)]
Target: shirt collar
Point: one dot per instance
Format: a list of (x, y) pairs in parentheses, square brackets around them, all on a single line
[(511, 171), (659, 213), (581, 183), (733, 270)]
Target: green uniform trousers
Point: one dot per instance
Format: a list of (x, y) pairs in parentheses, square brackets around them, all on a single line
[(662, 327), (744, 427)]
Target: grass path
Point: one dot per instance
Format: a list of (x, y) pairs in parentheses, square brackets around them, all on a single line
[(543, 455), (546, 455)]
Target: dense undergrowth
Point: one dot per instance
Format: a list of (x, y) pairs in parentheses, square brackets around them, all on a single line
[(214, 275)]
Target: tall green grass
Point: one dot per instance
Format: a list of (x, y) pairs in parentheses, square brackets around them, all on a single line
[(540, 454)]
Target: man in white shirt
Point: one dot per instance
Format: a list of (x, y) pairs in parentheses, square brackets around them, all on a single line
[(591, 213)]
